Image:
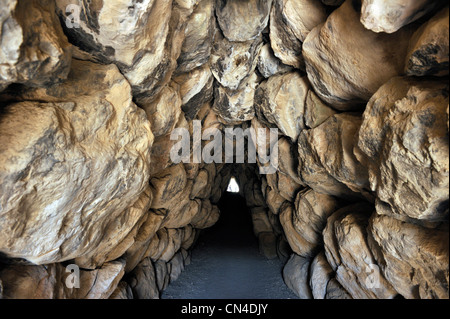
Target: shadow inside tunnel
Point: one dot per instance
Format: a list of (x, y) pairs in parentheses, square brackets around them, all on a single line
[(226, 262)]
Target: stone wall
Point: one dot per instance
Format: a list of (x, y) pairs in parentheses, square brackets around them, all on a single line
[(90, 92)]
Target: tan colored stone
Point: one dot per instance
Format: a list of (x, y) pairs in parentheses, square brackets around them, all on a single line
[(415, 259), (33, 48), (236, 106), (295, 275), (55, 281), (232, 62), (242, 20), (327, 162), (269, 64), (311, 212), (142, 281), (84, 154), (280, 101), (428, 48), (144, 39), (390, 16), (196, 89), (290, 23), (199, 31), (297, 242), (404, 135), (320, 275), (346, 63), (316, 112), (164, 112), (123, 291), (349, 254)]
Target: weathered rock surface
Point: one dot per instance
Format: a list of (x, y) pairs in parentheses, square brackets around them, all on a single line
[(296, 276), (320, 275), (160, 152), (86, 125), (357, 206), (123, 291), (232, 62), (336, 291), (297, 242), (290, 23), (428, 49), (349, 254), (390, 16), (269, 64), (280, 101), (242, 20), (33, 48), (236, 106), (404, 135), (316, 112), (346, 63), (414, 258), (142, 281), (207, 216), (164, 112), (288, 160), (55, 281), (311, 212), (327, 162), (199, 33), (196, 89), (144, 39)]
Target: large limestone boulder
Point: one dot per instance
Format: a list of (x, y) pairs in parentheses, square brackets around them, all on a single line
[(232, 62), (346, 63), (390, 16), (327, 162), (311, 212), (414, 258), (404, 135), (164, 112), (297, 242), (196, 89), (290, 23), (428, 49), (199, 34), (143, 39), (348, 251), (321, 274), (242, 20), (280, 101), (56, 281), (269, 64), (296, 274), (71, 166), (33, 48), (236, 106)]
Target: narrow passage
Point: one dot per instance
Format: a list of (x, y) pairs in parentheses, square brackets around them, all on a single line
[(226, 263)]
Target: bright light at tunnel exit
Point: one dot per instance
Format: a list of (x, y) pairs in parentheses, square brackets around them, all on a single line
[(233, 187)]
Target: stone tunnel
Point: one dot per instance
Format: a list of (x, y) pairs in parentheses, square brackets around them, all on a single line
[(122, 123)]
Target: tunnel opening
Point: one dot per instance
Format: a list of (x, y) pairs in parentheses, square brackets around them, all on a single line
[(233, 187), (226, 261)]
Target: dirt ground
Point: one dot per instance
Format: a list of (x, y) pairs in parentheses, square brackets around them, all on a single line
[(226, 262)]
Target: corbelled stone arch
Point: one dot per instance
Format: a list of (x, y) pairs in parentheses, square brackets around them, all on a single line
[(89, 105)]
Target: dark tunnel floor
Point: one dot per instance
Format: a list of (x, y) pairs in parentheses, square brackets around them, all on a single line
[(226, 262)]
